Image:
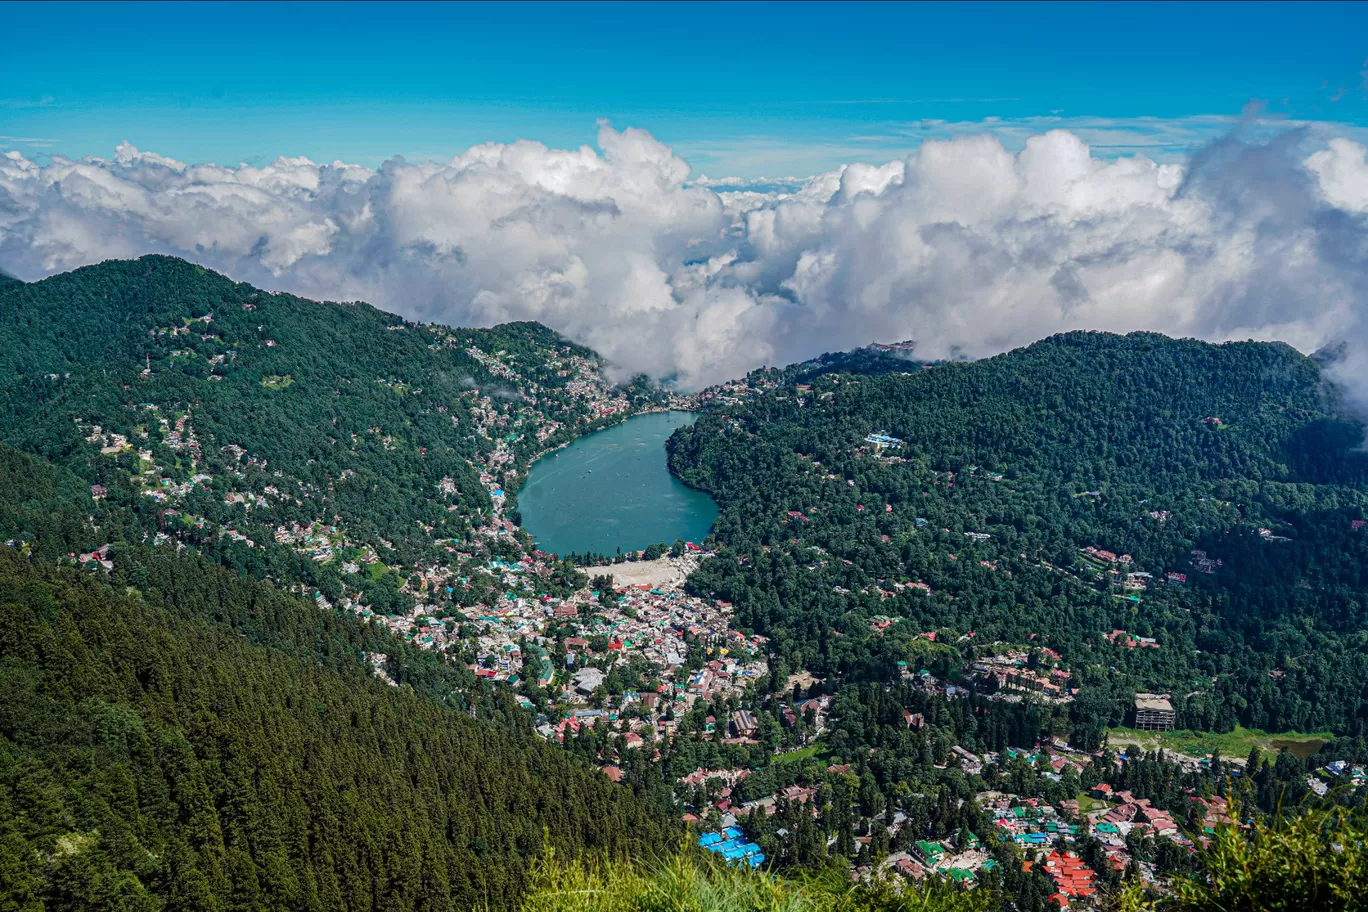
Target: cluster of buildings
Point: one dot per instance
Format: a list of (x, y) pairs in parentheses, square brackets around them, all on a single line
[(1337, 773), (958, 859), (736, 391), (1131, 641), (732, 845), (582, 383), (1073, 879), (1130, 812), (660, 626), (1012, 670), (1027, 822), (321, 542)]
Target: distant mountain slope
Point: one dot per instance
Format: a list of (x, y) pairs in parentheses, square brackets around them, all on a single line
[(42, 505), (1139, 445), (245, 421)]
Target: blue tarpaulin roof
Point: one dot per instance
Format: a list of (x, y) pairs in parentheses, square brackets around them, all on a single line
[(733, 848)]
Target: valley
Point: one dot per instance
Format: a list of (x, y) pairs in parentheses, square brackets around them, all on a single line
[(897, 624)]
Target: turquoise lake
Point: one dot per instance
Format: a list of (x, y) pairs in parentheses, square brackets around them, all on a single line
[(612, 490)]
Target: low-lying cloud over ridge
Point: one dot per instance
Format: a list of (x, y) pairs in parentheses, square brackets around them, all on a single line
[(964, 246)]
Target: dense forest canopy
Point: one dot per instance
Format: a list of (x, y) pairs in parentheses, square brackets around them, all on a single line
[(973, 522), (149, 760)]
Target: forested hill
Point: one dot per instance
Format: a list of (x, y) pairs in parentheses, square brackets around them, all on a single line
[(318, 391), (1227, 466), (291, 437), (220, 512), (151, 761), (174, 734)]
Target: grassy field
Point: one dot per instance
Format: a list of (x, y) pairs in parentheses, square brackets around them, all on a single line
[(1232, 744), (798, 756), (1087, 803)]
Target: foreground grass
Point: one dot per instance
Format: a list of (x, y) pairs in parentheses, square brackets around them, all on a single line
[(1314, 862), (686, 883)]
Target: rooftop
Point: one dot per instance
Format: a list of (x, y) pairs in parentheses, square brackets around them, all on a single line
[(1153, 702)]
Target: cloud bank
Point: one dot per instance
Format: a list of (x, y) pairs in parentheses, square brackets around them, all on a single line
[(963, 245)]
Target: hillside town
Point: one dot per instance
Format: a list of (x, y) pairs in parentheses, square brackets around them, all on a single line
[(627, 654)]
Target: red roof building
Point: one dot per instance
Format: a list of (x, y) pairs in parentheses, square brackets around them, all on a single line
[(1071, 876)]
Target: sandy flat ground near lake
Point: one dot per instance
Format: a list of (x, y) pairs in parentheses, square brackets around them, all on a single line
[(665, 573)]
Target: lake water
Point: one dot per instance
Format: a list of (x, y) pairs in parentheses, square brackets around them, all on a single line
[(611, 490)]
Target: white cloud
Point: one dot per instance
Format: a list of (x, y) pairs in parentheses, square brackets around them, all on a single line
[(30, 140), (965, 245), (1343, 174)]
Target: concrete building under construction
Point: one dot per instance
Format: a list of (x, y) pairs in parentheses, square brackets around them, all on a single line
[(1153, 712)]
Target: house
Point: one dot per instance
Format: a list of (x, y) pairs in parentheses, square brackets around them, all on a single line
[(744, 724), (99, 557), (588, 680), (909, 869), (931, 852), (798, 794), (971, 763)]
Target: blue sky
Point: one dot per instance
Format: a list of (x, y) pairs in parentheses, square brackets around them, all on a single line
[(737, 89)]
